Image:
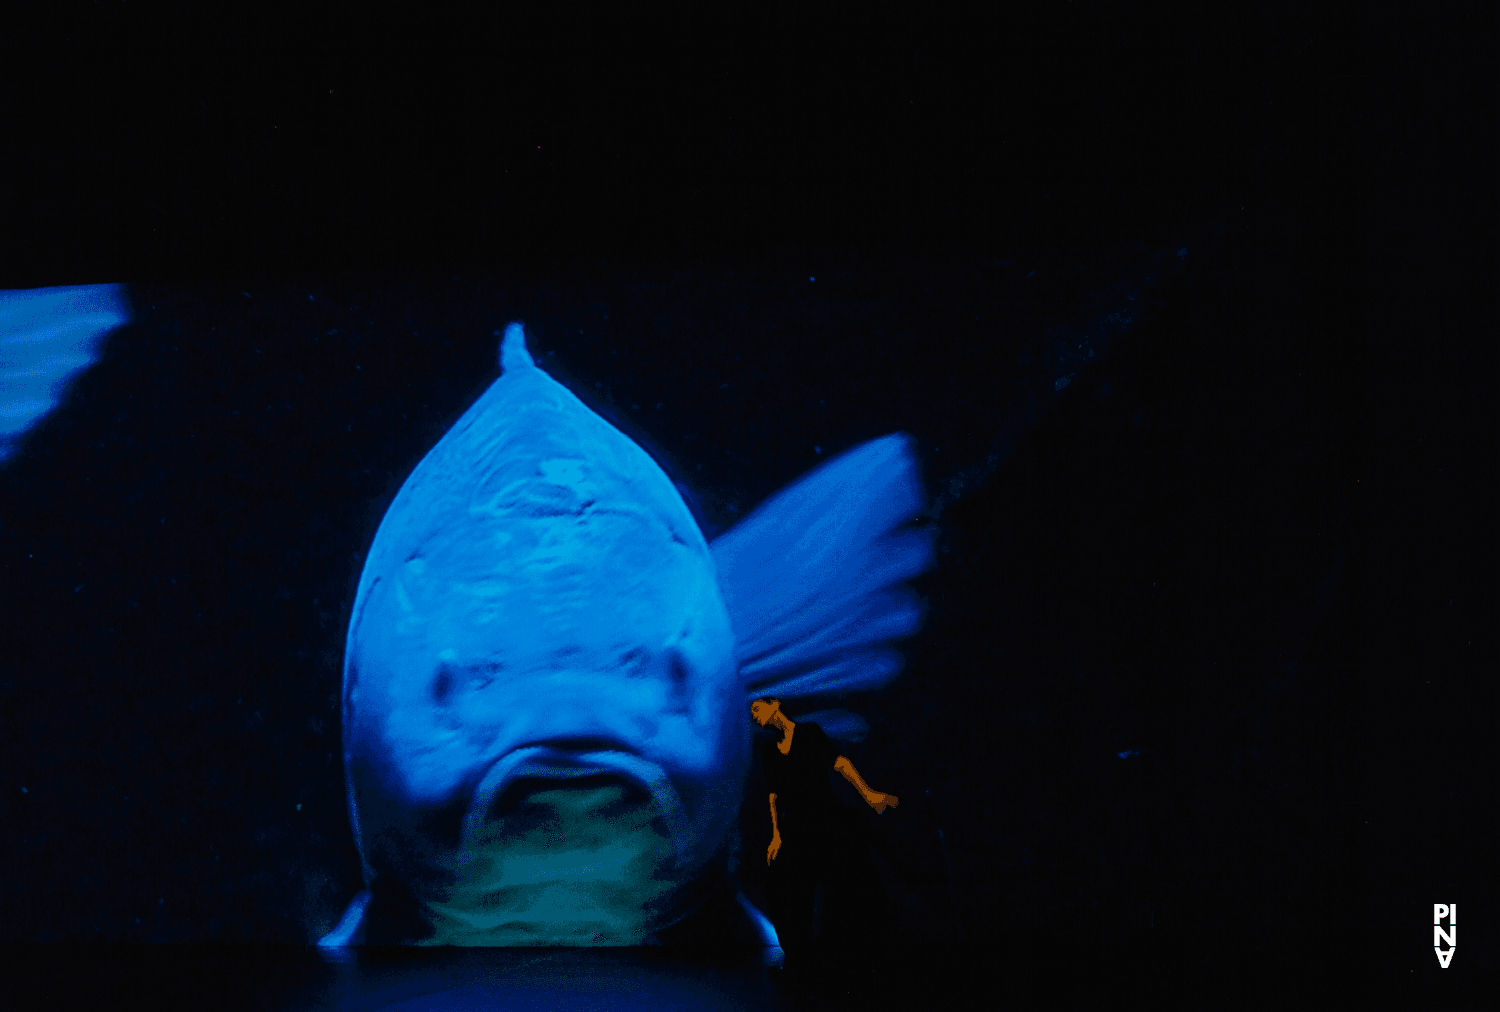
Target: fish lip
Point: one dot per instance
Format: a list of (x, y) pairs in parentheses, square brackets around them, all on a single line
[(552, 762)]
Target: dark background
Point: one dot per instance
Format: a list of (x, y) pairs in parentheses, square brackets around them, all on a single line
[(1249, 543)]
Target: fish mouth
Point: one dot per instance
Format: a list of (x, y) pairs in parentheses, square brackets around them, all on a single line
[(529, 769)]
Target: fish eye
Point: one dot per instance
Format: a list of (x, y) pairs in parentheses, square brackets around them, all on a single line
[(633, 660), (442, 685), (679, 669)]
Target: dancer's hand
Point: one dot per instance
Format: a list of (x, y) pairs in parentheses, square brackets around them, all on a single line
[(774, 848), (879, 801)]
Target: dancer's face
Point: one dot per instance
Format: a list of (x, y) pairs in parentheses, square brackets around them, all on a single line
[(761, 711)]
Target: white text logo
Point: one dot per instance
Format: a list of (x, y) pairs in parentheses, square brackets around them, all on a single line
[(1440, 936)]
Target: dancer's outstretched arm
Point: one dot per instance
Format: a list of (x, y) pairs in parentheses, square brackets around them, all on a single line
[(874, 799)]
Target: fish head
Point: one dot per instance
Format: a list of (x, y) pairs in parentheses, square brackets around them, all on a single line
[(544, 738)]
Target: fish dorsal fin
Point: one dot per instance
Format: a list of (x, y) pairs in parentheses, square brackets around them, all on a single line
[(513, 353)]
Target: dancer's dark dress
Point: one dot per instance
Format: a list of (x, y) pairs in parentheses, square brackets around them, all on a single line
[(804, 819)]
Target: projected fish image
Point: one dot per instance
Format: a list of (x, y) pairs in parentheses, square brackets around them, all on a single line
[(548, 669), (48, 338)]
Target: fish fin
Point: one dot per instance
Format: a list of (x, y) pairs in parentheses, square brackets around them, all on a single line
[(855, 671), (349, 924), (762, 923), (840, 725), (853, 619), (48, 337), (513, 353), (810, 577)]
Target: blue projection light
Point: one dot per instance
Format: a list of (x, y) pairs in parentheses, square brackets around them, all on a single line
[(48, 337), (548, 670)]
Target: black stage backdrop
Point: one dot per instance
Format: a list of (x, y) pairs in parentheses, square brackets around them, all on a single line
[(1197, 699)]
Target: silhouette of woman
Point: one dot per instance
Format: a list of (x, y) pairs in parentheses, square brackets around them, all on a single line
[(796, 769)]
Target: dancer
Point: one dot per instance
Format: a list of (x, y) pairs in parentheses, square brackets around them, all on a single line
[(801, 819)]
